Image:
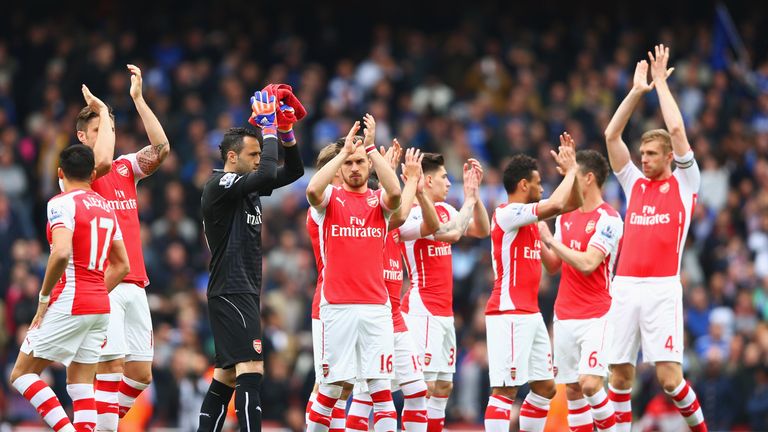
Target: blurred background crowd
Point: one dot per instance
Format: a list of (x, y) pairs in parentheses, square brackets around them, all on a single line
[(486, 82)]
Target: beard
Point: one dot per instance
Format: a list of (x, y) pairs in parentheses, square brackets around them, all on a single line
[(355, 182)]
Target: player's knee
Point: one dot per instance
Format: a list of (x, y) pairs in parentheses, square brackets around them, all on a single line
[(346, 390), (546, 389), (573, 391), (508, 392), (430, 388), (15, 374), (622, 376), (590, 385), (112, 366), (443, 388)]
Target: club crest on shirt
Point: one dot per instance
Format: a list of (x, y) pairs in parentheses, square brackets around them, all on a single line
[(590, 227), (513, 372), (427, 359), (372, 200), (554, 371), (326, 370), (443, 218), (664, 188), (257, 345), (122, 170)]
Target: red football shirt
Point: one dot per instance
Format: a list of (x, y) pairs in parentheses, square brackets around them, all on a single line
[(580, 296), (516, 260), (430, 266), (81, 289), (353, 228), (658, 216), (118, 187), (393, 277)]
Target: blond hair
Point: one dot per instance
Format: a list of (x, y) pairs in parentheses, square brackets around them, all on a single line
[(660, 135)]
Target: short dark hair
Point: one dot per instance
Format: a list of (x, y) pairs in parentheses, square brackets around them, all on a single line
[(86, 114), (77, 162), (431, 162), (233, 140), (520, 167), (591, 161)]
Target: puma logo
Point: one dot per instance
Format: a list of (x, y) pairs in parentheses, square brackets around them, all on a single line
[(340, 200)]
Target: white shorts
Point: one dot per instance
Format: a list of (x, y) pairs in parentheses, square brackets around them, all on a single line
[(66, 338), (435, 338), (356, 343), (646, 313), (130, 325), (317, 346), (408, 366), (580, 346), (519, 349)]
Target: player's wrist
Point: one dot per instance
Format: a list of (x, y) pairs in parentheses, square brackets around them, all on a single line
[(370, 148), (43, 298), (286, 135)]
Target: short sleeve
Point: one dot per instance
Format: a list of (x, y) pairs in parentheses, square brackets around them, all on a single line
[(130, 158), (411, 228), (516, 215), (558, 232), (627, 177), (687, 171), (61, 213), (608, 232), (326, 199), (118, 232)]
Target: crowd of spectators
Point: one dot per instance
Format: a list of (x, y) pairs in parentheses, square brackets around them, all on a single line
[(484, 85)]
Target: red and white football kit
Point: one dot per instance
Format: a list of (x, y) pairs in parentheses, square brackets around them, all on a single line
[(581, 328), (647, 308), (313, 231), (130, 325), (355, 314), (519, 349), (75, 324), (407, 360), (428, 304)]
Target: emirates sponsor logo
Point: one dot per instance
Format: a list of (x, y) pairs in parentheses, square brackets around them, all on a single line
[(533, 253), (357, 229), (394, 275), (649, 217), (122, 170), (438, 251)]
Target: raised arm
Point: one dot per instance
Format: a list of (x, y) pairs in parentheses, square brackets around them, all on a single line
[(387, 177), (480, 224), (454, 229), (104, 147), (323, 177), (150, 157), (673, 119), (411, 177), (567, 194)]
